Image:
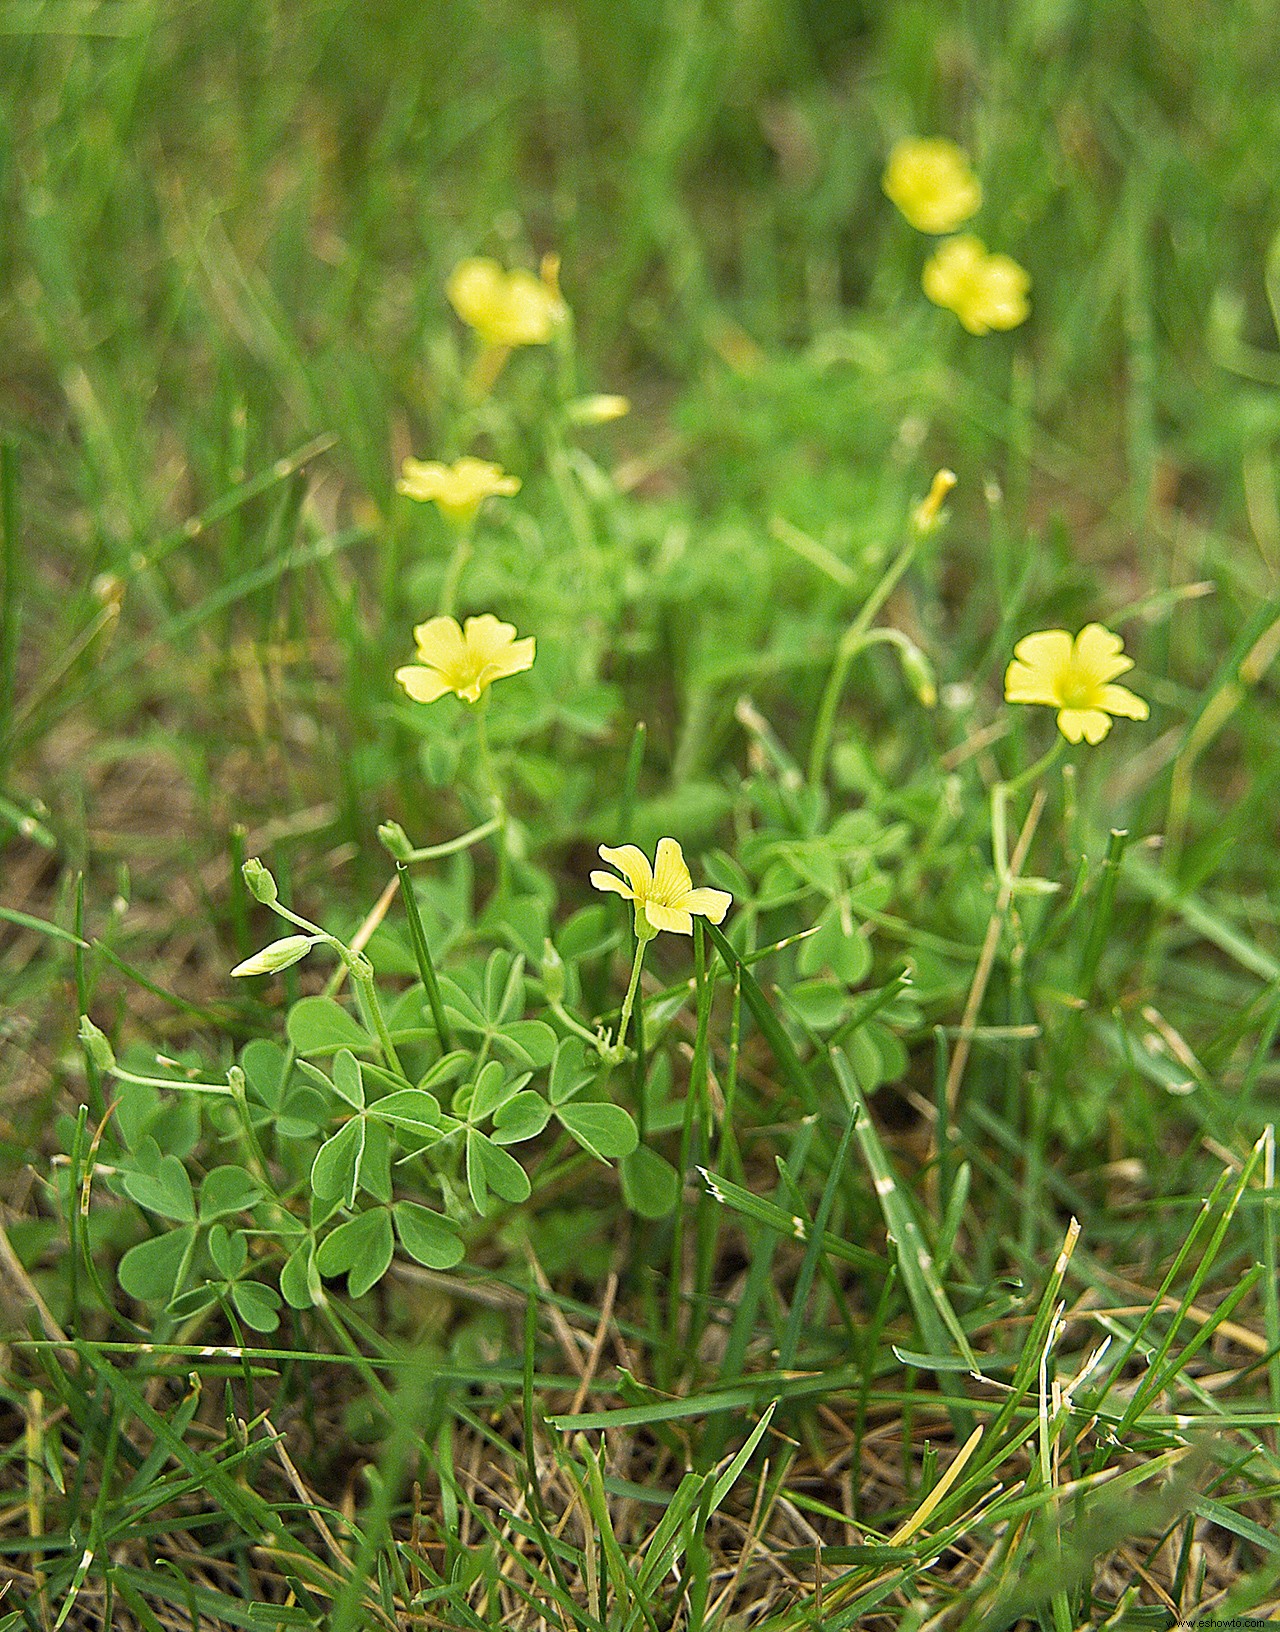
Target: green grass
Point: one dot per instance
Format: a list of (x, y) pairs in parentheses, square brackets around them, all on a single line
[(815, 1355)]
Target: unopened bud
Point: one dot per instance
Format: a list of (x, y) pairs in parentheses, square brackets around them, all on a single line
[(395, 841), (279, 955), (259, 882), (598, 409), (96, 1045), (928, 513), (919, 672), (553, 981)]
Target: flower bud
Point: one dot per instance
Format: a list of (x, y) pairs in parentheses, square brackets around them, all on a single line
[(395, 841), (598, 409), (259, 882), (919, 672), (279, 955), (928, 513), (96, 1045), (553, 980)]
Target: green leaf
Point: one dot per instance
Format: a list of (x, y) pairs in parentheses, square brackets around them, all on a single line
[(318, 1025), (226, 1190), (521, 1118), (347, 1080), (257, 1305), (846, 953), (650, 1185), (529, 1042), (166, 1190), (262, 1062), (935, 1317), (361, 1249), (153, 1271), (607, 1131), (373, 1172), (409, 1108), (428, 1237), (570, 1071), (491, 1090), (445, 1069), (488, 1167), (299, 1279), (335, 1171), (229, 1252)]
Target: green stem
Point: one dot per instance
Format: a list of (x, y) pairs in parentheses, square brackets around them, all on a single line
[(453, 573), (362, 975), (1001, 793), (854, 639), (450, 847), (628, 1003)]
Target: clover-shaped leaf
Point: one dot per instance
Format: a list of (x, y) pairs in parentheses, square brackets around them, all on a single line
[(489, 1167), (427, 1236), (361, 1249), (522, 1117), (225, 1190), (606, 1131)]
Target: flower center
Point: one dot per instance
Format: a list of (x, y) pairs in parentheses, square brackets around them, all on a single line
[(1079, 688)]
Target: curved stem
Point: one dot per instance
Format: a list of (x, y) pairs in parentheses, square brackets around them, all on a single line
[(855, 637)]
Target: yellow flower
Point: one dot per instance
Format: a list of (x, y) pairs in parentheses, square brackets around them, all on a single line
[(984, 291), (664, 894), (1075, 678), (930, 181), (458, 489), (507, 308), (465, 663)]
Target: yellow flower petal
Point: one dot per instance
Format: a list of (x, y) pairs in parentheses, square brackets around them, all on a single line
[(670, 875), (470, 661), (631, 860), (1039, 668), (1120, 700), (1100, 654), (1090, 723), (707, 903), (611, 881), (423, 685), (1027, 685), (488, 637), (670, 918), (440, 643)]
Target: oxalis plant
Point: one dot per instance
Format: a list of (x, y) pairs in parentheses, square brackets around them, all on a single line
[(394, 1123)]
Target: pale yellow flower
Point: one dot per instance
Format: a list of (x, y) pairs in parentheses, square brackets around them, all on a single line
[(930, 181), (507, 308), (459, 489), (466, 661), (984, 291), (664, 894), (1075, 677)]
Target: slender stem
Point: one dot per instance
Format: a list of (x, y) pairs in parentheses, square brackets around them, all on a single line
[(1001, 793), (450, 847), (362, 975), (855, 637), (453, 573), (422, 952), (628, 1003)]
